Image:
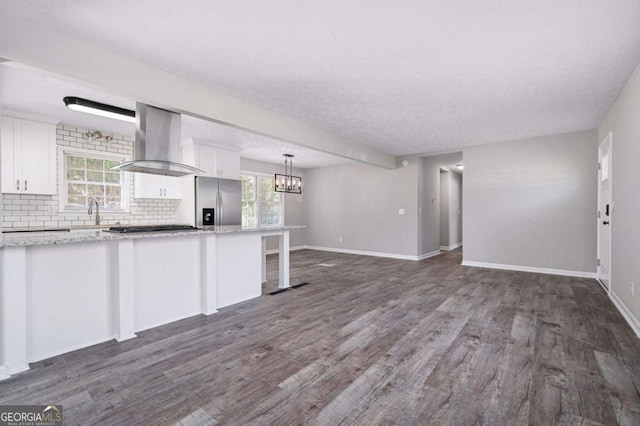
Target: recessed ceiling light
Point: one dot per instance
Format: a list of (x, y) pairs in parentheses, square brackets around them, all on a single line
[(460, 166), (103, 110)]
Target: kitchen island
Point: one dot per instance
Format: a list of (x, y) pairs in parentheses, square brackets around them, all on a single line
[(63, 291)]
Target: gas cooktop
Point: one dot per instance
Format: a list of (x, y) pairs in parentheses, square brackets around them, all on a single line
[(137, 229)]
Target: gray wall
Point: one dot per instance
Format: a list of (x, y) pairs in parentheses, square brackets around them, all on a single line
[(360, 203), (293, 204), (532, 202), (444, 208), (623, 121), (455, 208)]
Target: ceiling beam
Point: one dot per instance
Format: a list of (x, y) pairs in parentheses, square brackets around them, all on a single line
[(25, 41)]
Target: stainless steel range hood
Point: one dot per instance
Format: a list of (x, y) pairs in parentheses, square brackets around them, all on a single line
[(157, 146)]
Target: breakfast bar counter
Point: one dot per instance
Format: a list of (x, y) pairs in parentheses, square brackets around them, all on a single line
[(62, 291)]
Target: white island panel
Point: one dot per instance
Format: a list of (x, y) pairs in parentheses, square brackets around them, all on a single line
[(68, 298), (167, 277), (238, 268)]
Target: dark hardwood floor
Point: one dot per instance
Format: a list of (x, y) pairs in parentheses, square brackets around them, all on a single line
[(368, 341)]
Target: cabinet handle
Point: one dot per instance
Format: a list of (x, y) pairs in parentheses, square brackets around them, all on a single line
[(165, 192), (161, 192), (18, 185), (25, 184)]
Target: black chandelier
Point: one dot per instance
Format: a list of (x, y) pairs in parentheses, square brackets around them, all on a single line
[(287, 182)]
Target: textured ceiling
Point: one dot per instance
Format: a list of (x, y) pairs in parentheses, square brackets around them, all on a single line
[(32, 93), (402, 76)]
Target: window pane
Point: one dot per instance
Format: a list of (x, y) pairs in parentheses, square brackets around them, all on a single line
[(75, 162), (248, 214), (112, 177), (113, 203), (108, 164), (86, 178), (95, 176), (95, 164), (76, 189), (95, 190), (113, 191), (75, 175), (77, 200)]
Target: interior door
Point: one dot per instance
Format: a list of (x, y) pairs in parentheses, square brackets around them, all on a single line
[(605, 212)]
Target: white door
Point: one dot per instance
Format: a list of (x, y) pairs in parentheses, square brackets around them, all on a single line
[(148, 186), (605, 212), (38, 158), (172, 187)]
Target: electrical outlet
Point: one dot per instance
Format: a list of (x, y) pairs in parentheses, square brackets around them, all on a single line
[(339, 239), (401, 211), (52, 209), (632, 286), (136, 210)]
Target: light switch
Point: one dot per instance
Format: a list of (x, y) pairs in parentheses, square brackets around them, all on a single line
[(401, 211)]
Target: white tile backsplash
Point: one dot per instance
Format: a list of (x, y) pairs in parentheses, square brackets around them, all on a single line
[(43, 210)]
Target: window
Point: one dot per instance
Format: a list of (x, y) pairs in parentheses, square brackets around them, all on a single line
[(261, 205), (87, 177)]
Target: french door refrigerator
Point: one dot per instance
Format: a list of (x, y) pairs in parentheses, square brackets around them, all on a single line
[(218, 201)]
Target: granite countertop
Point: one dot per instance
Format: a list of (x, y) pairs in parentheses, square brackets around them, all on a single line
[(94, 234)]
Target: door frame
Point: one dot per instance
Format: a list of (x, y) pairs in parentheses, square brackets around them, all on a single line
[(608, 138)]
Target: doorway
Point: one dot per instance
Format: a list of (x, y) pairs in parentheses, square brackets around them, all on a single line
[(450, 193), (605, 212)]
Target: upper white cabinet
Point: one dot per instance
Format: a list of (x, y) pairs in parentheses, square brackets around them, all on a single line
[(216, 162), (157, 186), (28, 156)]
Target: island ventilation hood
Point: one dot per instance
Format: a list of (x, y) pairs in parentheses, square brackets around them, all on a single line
[(157, 146)]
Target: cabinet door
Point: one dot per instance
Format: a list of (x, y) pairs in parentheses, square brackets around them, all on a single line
[(173, 187), (228, 164), (148, 186), (9, 138), (38, 149), (207, 160)]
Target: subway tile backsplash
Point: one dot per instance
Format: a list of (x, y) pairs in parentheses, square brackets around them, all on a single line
[(34, 211)]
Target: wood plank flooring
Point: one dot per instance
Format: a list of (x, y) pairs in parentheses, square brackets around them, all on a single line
[(368, 341)]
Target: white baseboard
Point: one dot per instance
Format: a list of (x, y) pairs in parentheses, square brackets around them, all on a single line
[(373, 253), (455, 246), (428, 255), (626, 313), (563, 272), (294, 248)]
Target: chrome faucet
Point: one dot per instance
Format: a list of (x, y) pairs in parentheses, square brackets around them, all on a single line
[(97, 210)]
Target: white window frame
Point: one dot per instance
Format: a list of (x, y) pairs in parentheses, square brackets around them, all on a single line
[(104, 155), (257, 209)]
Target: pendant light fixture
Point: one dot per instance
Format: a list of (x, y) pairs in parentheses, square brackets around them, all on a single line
[(287, 182), (97, 108)]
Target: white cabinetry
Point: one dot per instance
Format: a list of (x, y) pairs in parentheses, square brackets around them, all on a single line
[(28, 155), (216, 162), (157, 186)]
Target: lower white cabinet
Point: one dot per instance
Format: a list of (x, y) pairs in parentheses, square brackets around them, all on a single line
[(157, 186)]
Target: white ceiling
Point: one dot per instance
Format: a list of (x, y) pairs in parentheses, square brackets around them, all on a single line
[(37, 94), (403, 76)]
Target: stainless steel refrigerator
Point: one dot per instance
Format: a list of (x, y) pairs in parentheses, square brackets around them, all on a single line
[(218, 201)]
